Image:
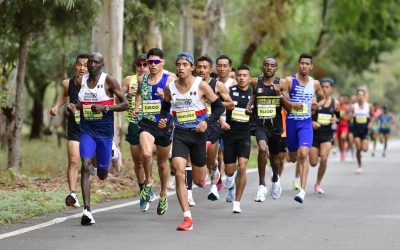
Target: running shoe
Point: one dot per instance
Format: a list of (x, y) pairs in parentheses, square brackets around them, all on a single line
[(359, 171), (215, 176), (300, 196), (171, 183), (296, 184), (318, 189), (219, 184), (187, 225), (152, 195), (87, 218), (229, 181), (342, 156), (162, 206), (236, 207), (145, 192), (231, 195), (190, 199), (276, 189), (144, 205), (213, 195), (262, 193), (72, 200)]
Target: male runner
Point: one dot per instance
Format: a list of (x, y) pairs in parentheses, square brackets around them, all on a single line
[(96, 98), (301, 88), (224, 68), (71, 89), (186, 98), (374, 131), (323, 119), (203, 69), (267, 101), (385, 121), (129, 87), (363, 117), (237, 137), (150, 95)]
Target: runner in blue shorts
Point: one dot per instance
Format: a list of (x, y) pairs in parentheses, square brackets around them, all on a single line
[(301, 88), (96, 98), (385, 120)]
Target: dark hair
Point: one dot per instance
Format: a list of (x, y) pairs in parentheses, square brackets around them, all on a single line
[(233, 70), (305, 55), (213, 75), (83, 56), (205, 58), (155, 52), (243, 67), (224, 57), (328, 80)]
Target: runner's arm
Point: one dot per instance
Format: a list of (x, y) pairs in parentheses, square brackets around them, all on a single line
[(216, 104), (224, 93), (116, 90), (61, 99), (284, 100), (138, 98), (320, 94)]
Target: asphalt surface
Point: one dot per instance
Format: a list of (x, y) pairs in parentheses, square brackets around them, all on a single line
[(356, 212)]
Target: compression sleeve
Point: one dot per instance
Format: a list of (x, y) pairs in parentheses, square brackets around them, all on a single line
[(217, 109), (337, 114), (165, 109)]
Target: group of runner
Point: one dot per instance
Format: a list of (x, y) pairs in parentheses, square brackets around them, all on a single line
[(207, 123)]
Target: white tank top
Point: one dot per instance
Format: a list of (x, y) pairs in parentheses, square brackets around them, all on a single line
[(187, 108), (361, 116)]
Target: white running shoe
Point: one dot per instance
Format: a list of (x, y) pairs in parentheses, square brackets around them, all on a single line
[(276, 189), (230, 181), (359, 171), (213, 195), (214, 177), (115, 153), (87, 218), (171, 182), (236, 207), (72, 200), (262, 193), (300, 196), (190, 199)]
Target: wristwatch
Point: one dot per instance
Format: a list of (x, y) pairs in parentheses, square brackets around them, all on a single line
[(107, 108)]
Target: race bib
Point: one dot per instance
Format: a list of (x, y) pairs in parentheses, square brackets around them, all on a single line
[(385, 126), (186, 116), (266, 111), (209, 110), (361, 120), (77, 116), (324, 119), (302, 111), (89, 115), (239, 115), (151, 107)]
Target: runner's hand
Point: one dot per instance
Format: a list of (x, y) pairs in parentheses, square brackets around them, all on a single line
[(201, 127), (316, 125), (297, 106), (97, 108), (225, 126), (54, 111), (72, 107), (162, 123), (248, 110), (160, 91)]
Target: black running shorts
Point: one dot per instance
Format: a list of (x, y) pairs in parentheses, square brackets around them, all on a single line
[(273, 141), (235, 148), (189, 142), (162, 136)]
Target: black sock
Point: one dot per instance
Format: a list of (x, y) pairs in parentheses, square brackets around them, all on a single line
[(141, 185), (189, 179), (86, 208)]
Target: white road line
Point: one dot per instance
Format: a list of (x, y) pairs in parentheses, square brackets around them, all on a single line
[(62, 219)]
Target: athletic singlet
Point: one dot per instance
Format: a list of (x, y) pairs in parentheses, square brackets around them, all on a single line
[(361, 116), (237, 118), (213, 84), (268, 107), (324, 118), (151, 100), (187, 109), (73, 91), (99, 125), (384, 121), (301, 94), (133, 84)]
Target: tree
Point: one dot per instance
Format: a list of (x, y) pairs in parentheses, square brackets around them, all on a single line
[(16, 18)]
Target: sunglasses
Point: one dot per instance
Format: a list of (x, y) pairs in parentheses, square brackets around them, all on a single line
[(154, 61), (141, 64)]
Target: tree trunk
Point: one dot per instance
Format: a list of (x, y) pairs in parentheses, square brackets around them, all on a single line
[(37, 117), (214, 16), (252, 48), (186, 28), (152, 38), (107, 34), (14, 155)]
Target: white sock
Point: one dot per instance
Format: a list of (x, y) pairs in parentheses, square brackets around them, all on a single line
[(187, 214)]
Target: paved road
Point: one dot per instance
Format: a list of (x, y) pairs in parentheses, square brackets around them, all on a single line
[(357, 212)]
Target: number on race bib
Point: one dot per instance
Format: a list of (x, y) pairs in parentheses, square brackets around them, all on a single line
[(239, 115), (324, 119), (186, 116), (266, 111), (151, 106), (89, 115)]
